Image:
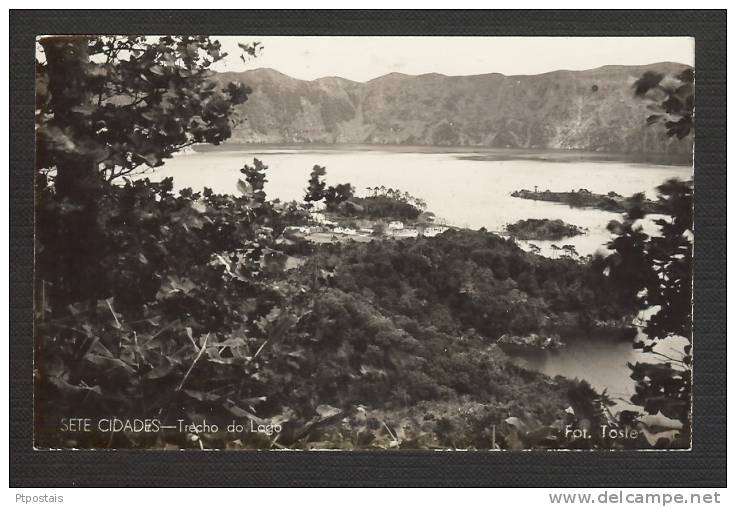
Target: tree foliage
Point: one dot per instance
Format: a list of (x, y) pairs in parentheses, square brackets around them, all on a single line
[(129, 101), (336, 195), (656, 271), (105, 106), (473, 280), (672, 100), (316, 185), (543, 229), (134, 283), (182, 274)]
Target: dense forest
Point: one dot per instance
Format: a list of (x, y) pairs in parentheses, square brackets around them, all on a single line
[(215, 332), (543, 229), (183, 309)]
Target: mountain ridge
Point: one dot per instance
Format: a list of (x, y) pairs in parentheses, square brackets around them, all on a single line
[(593, 110)]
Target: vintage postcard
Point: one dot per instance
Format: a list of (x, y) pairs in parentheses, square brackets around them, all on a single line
[(349, 243)]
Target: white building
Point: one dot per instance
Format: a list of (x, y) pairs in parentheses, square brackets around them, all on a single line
[(396, 225), (434, 230), (345, 230), (317, 217)]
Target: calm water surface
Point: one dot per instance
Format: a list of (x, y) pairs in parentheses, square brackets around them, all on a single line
[(465, 192), (603, 363)]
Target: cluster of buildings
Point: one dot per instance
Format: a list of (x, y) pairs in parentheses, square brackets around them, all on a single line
[(395, 228)]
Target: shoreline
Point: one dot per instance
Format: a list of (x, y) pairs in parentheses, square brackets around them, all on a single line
[(473, 153)]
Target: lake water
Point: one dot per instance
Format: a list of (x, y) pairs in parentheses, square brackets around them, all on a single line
[(467, 192), (602, 362), (465, 188)]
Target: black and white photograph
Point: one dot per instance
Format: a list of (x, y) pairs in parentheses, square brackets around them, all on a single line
[(343, 243)]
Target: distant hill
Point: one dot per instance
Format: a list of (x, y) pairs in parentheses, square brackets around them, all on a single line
[(589, 110)]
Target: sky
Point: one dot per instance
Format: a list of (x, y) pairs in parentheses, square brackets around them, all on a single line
[(365, 58)]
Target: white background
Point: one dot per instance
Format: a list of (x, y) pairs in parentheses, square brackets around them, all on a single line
[(322, 498)]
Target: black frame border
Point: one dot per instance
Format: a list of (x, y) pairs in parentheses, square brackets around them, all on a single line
[(703, 466)]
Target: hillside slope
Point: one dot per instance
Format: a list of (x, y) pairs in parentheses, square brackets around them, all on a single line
[(589, 110)]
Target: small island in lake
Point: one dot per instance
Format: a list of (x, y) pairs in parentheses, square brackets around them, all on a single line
[(584, 198), (336, 214), (541, 229)]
